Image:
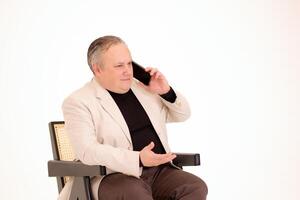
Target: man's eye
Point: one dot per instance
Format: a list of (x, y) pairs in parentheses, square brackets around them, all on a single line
[(118, 65)]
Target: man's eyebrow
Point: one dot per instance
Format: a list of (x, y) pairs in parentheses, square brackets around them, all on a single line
[(122, 63), (118, 64)]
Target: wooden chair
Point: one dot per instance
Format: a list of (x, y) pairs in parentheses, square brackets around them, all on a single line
[(65, 166)]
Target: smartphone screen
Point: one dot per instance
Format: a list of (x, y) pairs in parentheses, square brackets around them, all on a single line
[(140, 74)]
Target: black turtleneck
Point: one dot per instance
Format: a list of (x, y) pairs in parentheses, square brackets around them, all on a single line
[(138, 122)]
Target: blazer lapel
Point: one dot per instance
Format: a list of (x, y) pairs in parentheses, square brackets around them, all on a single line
[(109, 105)]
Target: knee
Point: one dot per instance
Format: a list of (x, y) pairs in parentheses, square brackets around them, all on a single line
[(200, 187)]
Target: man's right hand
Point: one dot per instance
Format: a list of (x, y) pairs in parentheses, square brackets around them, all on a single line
[(151, 159)]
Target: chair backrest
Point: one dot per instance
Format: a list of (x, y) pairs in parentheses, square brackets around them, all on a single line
[(61, 147)]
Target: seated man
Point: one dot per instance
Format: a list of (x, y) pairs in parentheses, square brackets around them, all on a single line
[(116, 121)]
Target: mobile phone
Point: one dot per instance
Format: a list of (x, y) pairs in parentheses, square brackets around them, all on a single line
[(140, 74)]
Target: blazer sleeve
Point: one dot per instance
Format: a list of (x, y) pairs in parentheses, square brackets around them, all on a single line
[(178, 111), (81, 130)]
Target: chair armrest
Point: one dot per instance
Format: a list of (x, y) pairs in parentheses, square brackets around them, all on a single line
[(74, 168), (187, 159)]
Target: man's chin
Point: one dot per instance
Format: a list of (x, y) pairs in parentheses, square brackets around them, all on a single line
[(124, 89)]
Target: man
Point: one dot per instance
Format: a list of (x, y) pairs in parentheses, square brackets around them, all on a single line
[(118, 122)]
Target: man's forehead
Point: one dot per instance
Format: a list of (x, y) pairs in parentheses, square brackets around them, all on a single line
[(117, 51)]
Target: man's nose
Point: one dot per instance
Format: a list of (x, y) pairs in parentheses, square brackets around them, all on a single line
[(128, 69)]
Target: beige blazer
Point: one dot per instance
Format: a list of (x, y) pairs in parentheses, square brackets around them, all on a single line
[(99, 134)]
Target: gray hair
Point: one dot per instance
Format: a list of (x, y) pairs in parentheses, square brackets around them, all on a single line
[(99, 46)]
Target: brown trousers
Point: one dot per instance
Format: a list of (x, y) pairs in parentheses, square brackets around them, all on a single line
[(156, 183)]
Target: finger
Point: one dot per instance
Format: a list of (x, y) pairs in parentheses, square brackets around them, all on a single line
[(164, 157), (150, 146), (158, 75), (166, 160), (171, 157), (147, 69), (151, 70)]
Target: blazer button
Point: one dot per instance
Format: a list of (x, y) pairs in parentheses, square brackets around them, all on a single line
[(178, 103)]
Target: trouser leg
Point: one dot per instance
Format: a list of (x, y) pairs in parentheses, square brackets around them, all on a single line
[(123, 187), (163, 183), (174, 184)]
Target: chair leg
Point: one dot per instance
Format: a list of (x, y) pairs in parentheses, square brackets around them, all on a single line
[(81, 189)]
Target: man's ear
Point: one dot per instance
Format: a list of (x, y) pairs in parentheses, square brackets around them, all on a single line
[(96, 69)]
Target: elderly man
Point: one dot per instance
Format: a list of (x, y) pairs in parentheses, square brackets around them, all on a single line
[(116, 121)]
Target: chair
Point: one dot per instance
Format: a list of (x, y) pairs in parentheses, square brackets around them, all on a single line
[(65, 166)]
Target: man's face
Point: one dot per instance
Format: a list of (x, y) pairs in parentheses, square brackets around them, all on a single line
[(115, 73)]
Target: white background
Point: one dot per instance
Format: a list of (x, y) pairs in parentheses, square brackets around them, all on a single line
[(236, 62)]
